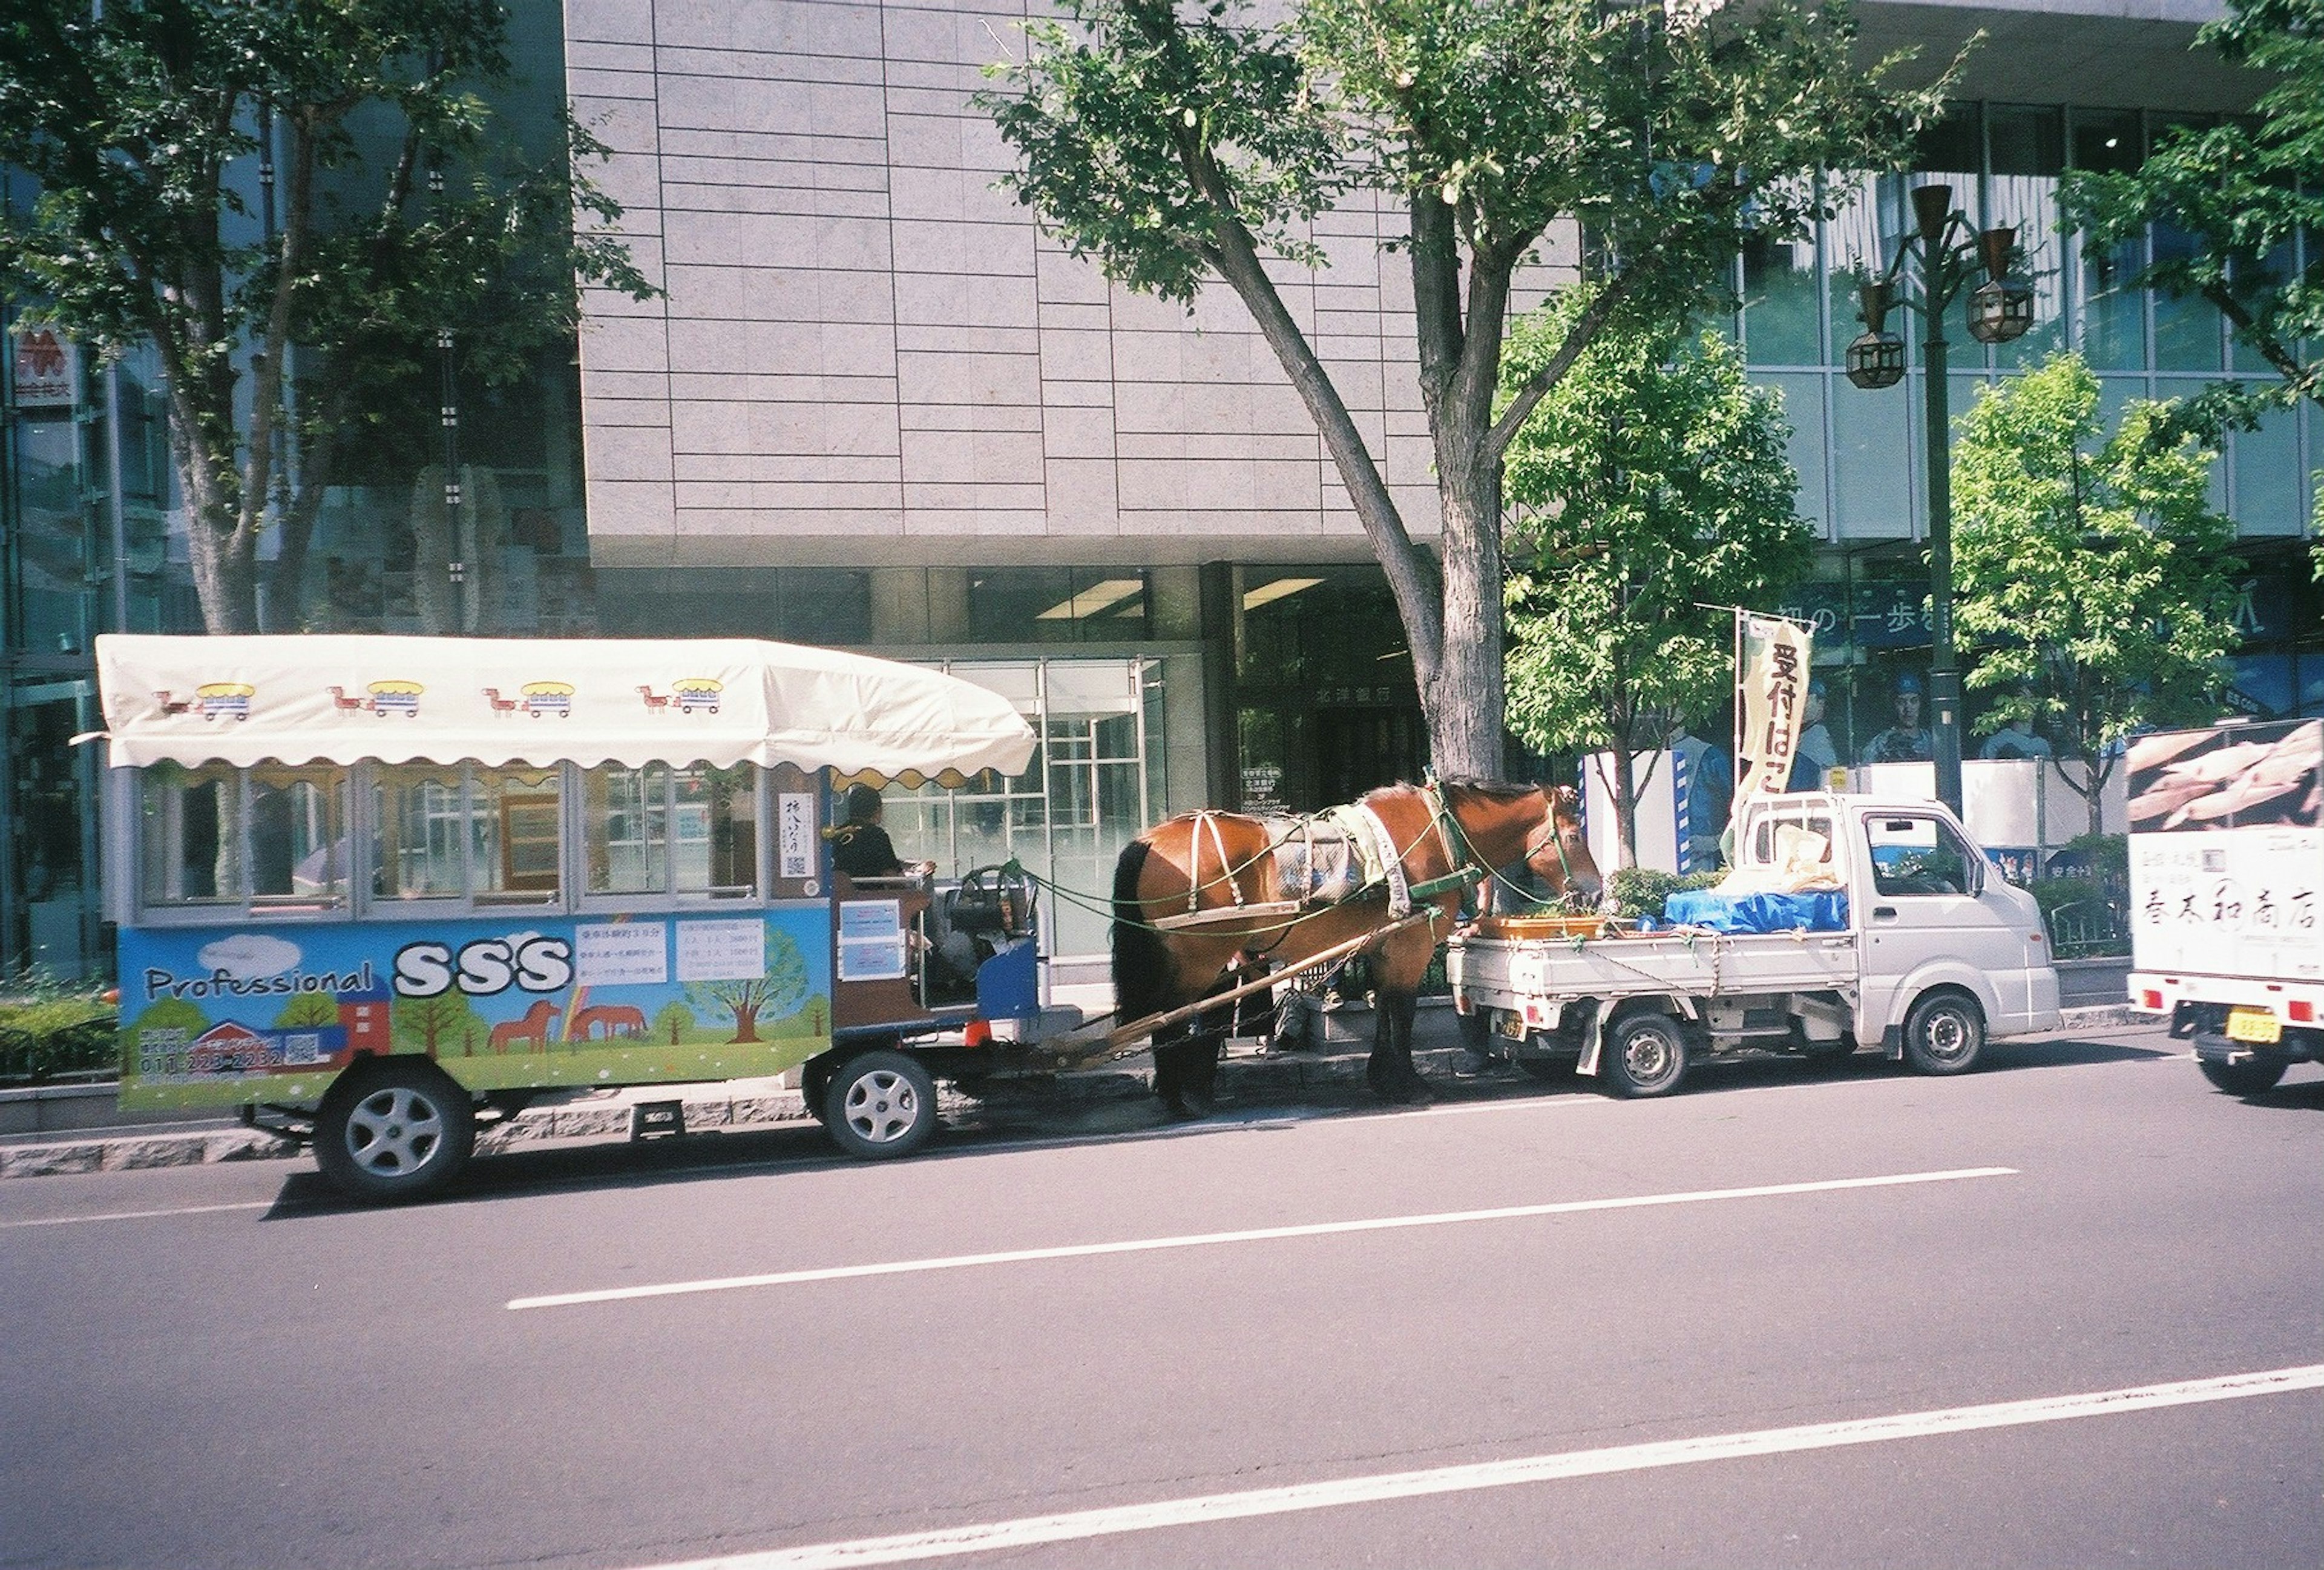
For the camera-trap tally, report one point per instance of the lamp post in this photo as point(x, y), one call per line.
point(1999, 309)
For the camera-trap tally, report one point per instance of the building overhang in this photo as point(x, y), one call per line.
point(2115, 54)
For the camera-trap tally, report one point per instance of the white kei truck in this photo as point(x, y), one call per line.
point(2227, 874)
point(1849, 921)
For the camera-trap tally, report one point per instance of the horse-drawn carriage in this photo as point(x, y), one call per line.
point(381, 939)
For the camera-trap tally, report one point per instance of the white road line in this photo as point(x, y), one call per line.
point(1261, 1235)
point(1074, 1526)
point(138, 1215)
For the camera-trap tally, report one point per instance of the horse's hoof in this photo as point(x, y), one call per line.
point(1185, 1109)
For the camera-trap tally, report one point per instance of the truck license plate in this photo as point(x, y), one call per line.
point(2254, 1025)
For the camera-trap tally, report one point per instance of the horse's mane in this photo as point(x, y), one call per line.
point(1500, 789)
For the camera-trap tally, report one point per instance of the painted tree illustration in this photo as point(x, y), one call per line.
point(172, 1015)
point(774, 995)
point(165, 1014)
point(674, 1018)
point(428, 1023)
point(307, 1011)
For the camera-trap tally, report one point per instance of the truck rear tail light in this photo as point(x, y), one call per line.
point(2150, 1000)
point(2301, 1011)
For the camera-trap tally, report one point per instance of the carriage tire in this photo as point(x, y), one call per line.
point(394, 1130)
point(815, 1088)
point(1644, 1055)
point(2253, 1078)
point(880, 1105)
point(1944, 1034)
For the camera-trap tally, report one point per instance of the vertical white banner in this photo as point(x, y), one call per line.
point(1771, 682)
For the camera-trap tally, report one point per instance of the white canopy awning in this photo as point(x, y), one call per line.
point(328, 698)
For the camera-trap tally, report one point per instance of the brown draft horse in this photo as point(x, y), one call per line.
point(1491, 827)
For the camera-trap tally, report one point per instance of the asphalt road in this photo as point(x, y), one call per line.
point(1787, 1318)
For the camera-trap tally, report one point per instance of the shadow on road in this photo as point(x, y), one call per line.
point(610, 1164)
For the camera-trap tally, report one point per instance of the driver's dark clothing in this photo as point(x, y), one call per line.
point(863, 850)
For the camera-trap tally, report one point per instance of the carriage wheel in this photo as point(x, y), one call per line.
point(881, 1103)
point(396, 1129)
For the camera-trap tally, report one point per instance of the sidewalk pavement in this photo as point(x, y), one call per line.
point(1336, 1060)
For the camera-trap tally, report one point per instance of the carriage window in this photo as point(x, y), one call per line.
point(659, 830)
point(516, 835)
point(715, 826)
point(627, 812)
point(419, 853)
point(191, 823)
point(298, 841)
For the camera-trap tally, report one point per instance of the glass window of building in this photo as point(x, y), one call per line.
point(2112, 326)
point(1782, 304)
point(2026, 154)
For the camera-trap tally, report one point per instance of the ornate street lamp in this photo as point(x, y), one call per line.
point(1876, 356)
point(2001, 309)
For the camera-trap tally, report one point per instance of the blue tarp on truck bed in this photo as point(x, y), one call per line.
point(1819, 912)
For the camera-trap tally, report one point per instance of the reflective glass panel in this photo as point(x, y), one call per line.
point(191, 825)
point(299, 841)
point(418, 854)
point(516, 836)
point(714, 831)
point(626, 814)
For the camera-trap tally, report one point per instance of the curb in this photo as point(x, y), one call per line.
point(744, 1104)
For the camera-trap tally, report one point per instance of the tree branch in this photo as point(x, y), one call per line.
point(1586, 327)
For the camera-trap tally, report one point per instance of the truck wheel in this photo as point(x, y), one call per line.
point(1944, 1034)
point(881, 1103)
point(1645, 1055)
point(394, 1130)
point(2253, 1078)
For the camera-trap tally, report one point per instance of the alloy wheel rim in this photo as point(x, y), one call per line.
point(394, 1132)
point(883, 1106)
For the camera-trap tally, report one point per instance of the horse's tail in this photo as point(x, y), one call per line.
point(1141, 963)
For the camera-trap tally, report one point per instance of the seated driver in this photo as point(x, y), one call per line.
point(860, 848)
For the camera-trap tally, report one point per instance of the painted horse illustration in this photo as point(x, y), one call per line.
point(1205, 890)
point(529, 1029)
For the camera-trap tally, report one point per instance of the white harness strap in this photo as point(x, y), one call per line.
point(1389, 857)
point(1210, 820)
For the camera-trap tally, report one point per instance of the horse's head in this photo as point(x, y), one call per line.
point(1557, 851)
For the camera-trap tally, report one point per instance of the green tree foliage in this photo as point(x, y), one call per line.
point(1651, 481)
point(2088, 566)
point(148, 127)
point(2241, 193)
point(1174, 145)
point(444, 1023)
point(776, 995)
point(172, 1015)
point(671, 1021)
point(308, 1010)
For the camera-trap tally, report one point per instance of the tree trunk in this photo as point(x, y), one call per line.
point(1463, 703)
point(746, 1023)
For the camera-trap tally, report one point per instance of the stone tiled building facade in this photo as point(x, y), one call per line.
point(866, 351)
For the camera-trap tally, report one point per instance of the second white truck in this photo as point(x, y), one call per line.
point(1883, 926)
point(2226, 879)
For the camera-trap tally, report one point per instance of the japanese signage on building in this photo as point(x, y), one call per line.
point(47, 369)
